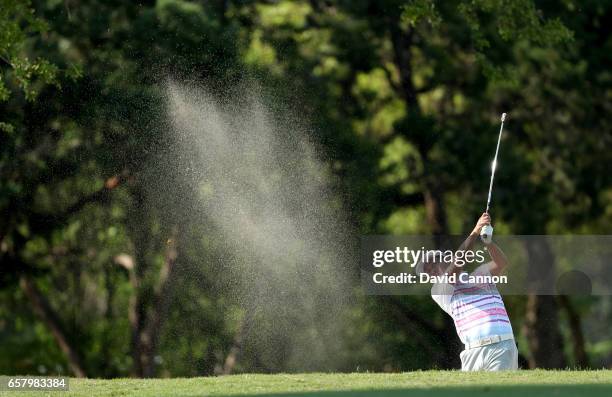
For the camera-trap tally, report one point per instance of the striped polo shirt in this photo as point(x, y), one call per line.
point(477, 309)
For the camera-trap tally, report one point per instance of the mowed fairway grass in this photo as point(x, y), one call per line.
point(422, 383)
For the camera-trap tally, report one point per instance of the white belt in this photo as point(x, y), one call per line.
point(489, 341)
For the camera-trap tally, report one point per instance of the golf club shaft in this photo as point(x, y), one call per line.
point(494, 164)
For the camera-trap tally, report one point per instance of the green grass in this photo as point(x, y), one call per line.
point(426, 383)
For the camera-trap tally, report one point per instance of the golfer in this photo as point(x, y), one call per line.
point(478, 310)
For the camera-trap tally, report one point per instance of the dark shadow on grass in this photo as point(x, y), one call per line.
point(595, 390)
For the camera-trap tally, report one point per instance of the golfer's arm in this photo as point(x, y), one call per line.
point(466, 245)
point(499, 260)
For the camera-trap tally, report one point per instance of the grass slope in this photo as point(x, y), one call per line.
point(425, 383)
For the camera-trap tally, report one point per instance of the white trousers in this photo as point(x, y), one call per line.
point(494, 357)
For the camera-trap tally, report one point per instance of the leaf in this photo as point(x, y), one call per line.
point(420, 10)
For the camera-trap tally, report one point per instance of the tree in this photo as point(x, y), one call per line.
point(73, 168)
point(107, 271)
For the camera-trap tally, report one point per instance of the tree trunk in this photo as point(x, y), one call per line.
point(136, 316)
point(438, 225)
point(542, 331)
point(141, 296)
point(581, 359)
point(148, 306)
point(402, 45)
point(541, 325)
point(235, 350)
point(49, 317)
point(433, 194)
point(161, 302)
point(435, 211)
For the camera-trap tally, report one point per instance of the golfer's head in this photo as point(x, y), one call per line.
point(431, 268)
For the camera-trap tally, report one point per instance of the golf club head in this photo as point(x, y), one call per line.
point(486, 234)
point(503, 117)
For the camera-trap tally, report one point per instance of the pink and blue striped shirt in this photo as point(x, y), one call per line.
point(477, 309)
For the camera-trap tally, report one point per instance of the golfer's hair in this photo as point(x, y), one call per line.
point(433, 256)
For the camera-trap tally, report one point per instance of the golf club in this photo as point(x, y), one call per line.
point(486, 233)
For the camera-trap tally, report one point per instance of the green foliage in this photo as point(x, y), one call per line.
point(420, 10)
point(17, 24)
point(514, 20)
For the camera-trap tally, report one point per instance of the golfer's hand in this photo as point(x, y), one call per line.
point(485, 219)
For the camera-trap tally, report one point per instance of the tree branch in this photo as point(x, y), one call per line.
point(237, 344)
point(45, 223)
point(161, 301)
point(45, 312)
